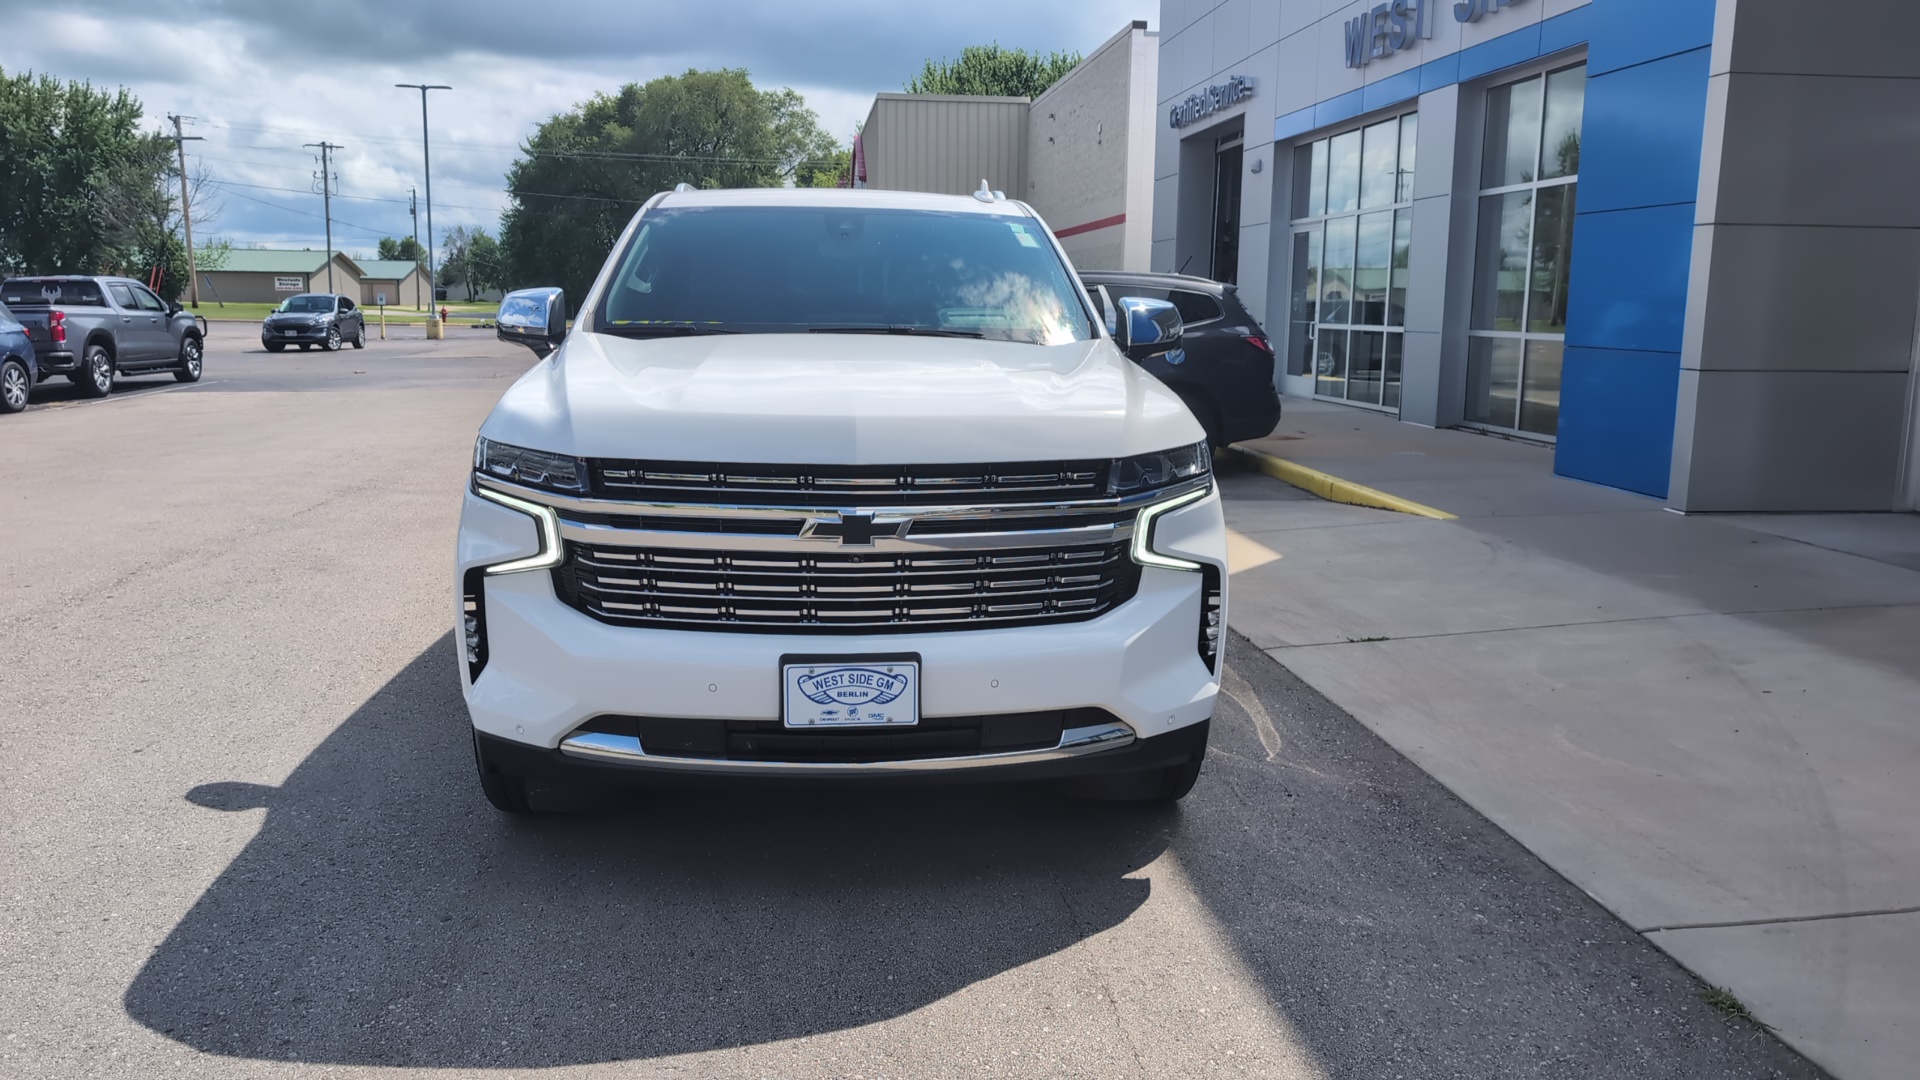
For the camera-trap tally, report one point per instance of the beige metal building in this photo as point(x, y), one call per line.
point(261, 276)
point(1081, 154)
point(402, 281)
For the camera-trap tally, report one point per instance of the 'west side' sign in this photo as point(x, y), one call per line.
point(1398, 24)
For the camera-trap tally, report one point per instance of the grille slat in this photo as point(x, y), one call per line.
point(832, 485)
point(832, 592)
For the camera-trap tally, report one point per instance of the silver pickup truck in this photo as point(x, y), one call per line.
point(93, 328)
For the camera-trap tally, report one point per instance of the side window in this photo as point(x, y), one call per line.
point(146, 300)
point(346, 304)
point(123, 296)
point(1196, 307)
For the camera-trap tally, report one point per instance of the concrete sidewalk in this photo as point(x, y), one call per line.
point(1712, 725)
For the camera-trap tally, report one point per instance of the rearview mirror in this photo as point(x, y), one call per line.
point(536, 318)
point(1149, 328)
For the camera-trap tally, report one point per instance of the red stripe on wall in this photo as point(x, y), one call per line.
point(1103, 223)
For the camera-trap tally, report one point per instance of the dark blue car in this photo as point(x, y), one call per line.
point(18, 368)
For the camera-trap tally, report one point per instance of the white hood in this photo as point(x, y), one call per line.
point(844, 399)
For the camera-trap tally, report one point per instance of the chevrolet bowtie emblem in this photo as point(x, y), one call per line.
point(854, 530)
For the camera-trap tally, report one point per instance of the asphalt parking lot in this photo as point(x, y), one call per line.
point(241, 838)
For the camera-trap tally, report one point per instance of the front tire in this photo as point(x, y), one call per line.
point(14, 386)
point(506, 792)
point(333, 339)
point(192, 353)
point(95, 377)
point(275, 346)
point(360, 337)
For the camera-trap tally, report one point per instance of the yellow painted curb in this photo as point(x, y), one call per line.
point(1334, 489)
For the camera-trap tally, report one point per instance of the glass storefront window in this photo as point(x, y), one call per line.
point(1343, 174)
point(1523, 259)
point(1352, 239)
point(1379, 164)
point(1306, 302)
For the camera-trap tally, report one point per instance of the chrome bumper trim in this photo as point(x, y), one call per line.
point(800, 515)
point(625, 750)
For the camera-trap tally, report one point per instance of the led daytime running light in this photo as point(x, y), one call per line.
point(1143, 552)
point(545, 520)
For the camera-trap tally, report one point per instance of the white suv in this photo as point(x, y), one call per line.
point(839, 484)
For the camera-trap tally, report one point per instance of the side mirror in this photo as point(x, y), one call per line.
point(173, 307)
point(1149, 328)
point(536, 318)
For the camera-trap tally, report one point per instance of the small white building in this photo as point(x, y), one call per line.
point(1081, 154)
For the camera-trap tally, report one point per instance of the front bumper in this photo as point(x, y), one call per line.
point(294, 335)
point(550, 669)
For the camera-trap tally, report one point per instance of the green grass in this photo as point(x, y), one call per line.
point(257, 312)
point(1723, 1001)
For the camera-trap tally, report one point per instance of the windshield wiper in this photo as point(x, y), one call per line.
point(914, 331)
point(660, 330)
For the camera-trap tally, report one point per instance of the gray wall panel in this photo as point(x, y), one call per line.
point(1835, 299)
point(1799, 441)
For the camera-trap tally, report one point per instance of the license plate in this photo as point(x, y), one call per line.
point(293, 333)
point(850, 691)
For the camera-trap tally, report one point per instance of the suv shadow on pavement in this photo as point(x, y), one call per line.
point(384, 915)
point(1335, 909)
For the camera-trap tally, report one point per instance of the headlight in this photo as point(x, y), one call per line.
point(1147, 472)
point(534, 468)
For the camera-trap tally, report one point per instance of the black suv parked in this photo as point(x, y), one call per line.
point(309, 319)
point(1225, 370)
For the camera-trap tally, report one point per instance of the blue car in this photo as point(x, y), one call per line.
point(18, 368)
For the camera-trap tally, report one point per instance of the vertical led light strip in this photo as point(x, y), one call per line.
point(1143, 552)
point(545, 520)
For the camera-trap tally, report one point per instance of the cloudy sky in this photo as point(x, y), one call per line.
point(263, 77)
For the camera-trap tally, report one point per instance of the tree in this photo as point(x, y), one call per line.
point(404, 249)
point(453, 255)
point(993, 71)
point(82, 188)
point(482, 264)
point(582, 175)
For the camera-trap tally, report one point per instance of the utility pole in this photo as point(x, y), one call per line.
point(413, 211)
point(426, 159)
point(326, 199)
point(180, 142)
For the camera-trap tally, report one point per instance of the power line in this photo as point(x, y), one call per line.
point(296, 210)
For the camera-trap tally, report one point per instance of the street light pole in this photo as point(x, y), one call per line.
point(426, 159)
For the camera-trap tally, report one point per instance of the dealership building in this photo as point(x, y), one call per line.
point(1674, 239)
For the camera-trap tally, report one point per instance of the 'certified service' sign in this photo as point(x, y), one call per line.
point(1206, 102)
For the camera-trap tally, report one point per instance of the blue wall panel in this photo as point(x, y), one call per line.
point(1628, 32)
point(1616, 418)
point(1504, 51)
point(1640, 141)
point(1647, 66)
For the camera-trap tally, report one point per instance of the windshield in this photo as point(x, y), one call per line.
point(307, 303)
point(783, 270)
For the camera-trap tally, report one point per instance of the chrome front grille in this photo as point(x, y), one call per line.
point(840, 591)
point(837, 485)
